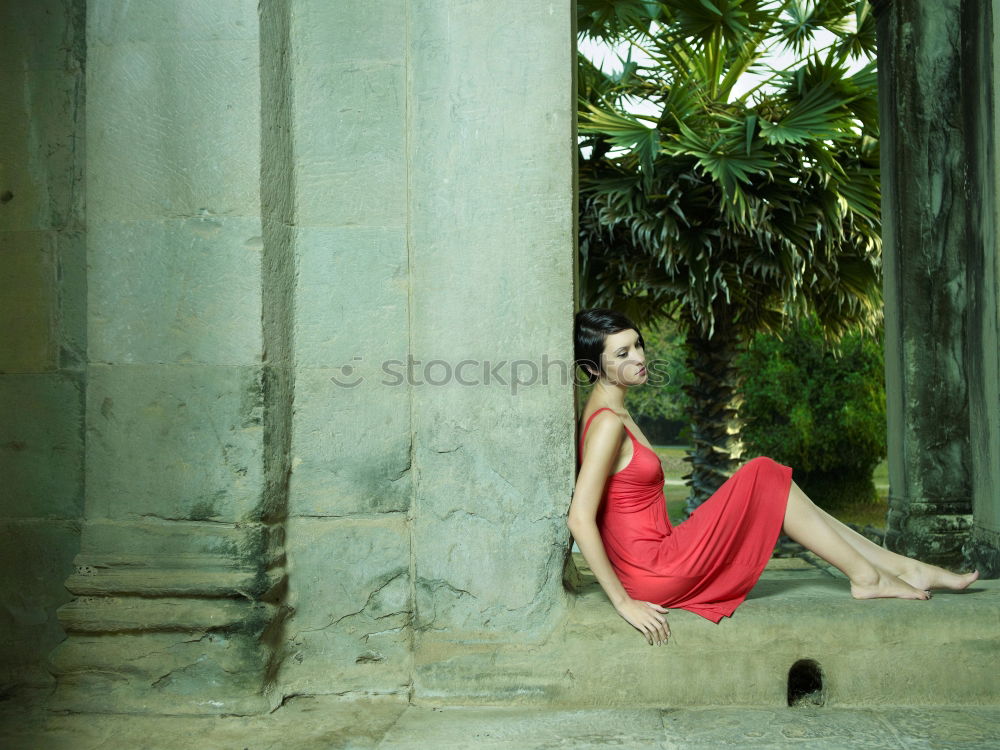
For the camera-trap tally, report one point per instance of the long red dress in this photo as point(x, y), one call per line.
point(708, 563)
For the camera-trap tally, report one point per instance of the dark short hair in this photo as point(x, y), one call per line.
point(590, 330)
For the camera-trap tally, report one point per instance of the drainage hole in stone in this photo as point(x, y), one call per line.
point(805, 684)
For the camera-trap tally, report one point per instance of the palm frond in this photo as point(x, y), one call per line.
point(623, 131)
point(613, 19)
point(814, 116)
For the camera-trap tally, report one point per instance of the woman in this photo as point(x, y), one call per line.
point(708, 563)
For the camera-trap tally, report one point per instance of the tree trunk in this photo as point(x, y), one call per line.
point(714, 409)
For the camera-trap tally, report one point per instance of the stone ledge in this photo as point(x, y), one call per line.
point(136, 614)
point(876, 652)
point(109, 580)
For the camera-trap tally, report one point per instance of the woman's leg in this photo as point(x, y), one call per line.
point(918, 574)
point(806, 525)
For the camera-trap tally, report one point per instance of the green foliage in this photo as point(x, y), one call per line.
point(818, 409)
point(611, 19)
point(758, 206)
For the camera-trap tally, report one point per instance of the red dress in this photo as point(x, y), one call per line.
point(708, 563)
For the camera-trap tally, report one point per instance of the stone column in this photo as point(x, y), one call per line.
point(491, 237)
point(433, 200)
point(43, 291)
point(351, 484)
point(983, 550)
point(928, 79)
point(180, 575)
point(414, 201)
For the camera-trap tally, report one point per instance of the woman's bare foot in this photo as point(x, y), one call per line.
point(924, 576)
point(884, 585)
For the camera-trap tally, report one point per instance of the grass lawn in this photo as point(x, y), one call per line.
point(860, 514)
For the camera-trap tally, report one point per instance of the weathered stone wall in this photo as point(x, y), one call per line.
point(433, 157)
point(351, 485)
point(492, 106)
point(179, 577)
point(42, 324)
point(288, 202)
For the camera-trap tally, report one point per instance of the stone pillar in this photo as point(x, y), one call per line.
point(351, 485)
point(928, 80)
point(983, 550)
point(433, 200)
point(491, 237)
point(289, 208)
point(43, 292)
point(179, 578)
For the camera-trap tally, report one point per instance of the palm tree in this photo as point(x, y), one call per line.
point(729, 212)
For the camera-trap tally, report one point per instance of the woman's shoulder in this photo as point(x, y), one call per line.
point(603, 419)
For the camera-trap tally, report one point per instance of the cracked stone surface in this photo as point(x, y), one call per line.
point(350, 620)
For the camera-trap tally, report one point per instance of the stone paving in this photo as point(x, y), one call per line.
point(389, 723)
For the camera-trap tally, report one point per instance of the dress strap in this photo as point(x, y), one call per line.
point(584, 432)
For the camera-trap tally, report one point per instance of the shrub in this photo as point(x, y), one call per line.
point(818, 409)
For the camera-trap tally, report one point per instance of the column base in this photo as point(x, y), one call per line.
point(160, 673)
point(927, 532)
point(162, 623)
point(982, 553)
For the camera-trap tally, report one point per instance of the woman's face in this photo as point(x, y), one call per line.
point(623, 358)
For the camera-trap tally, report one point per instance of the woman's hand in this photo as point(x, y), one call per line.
point(647, 618)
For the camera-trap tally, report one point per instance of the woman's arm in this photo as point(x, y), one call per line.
point(605, 437)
